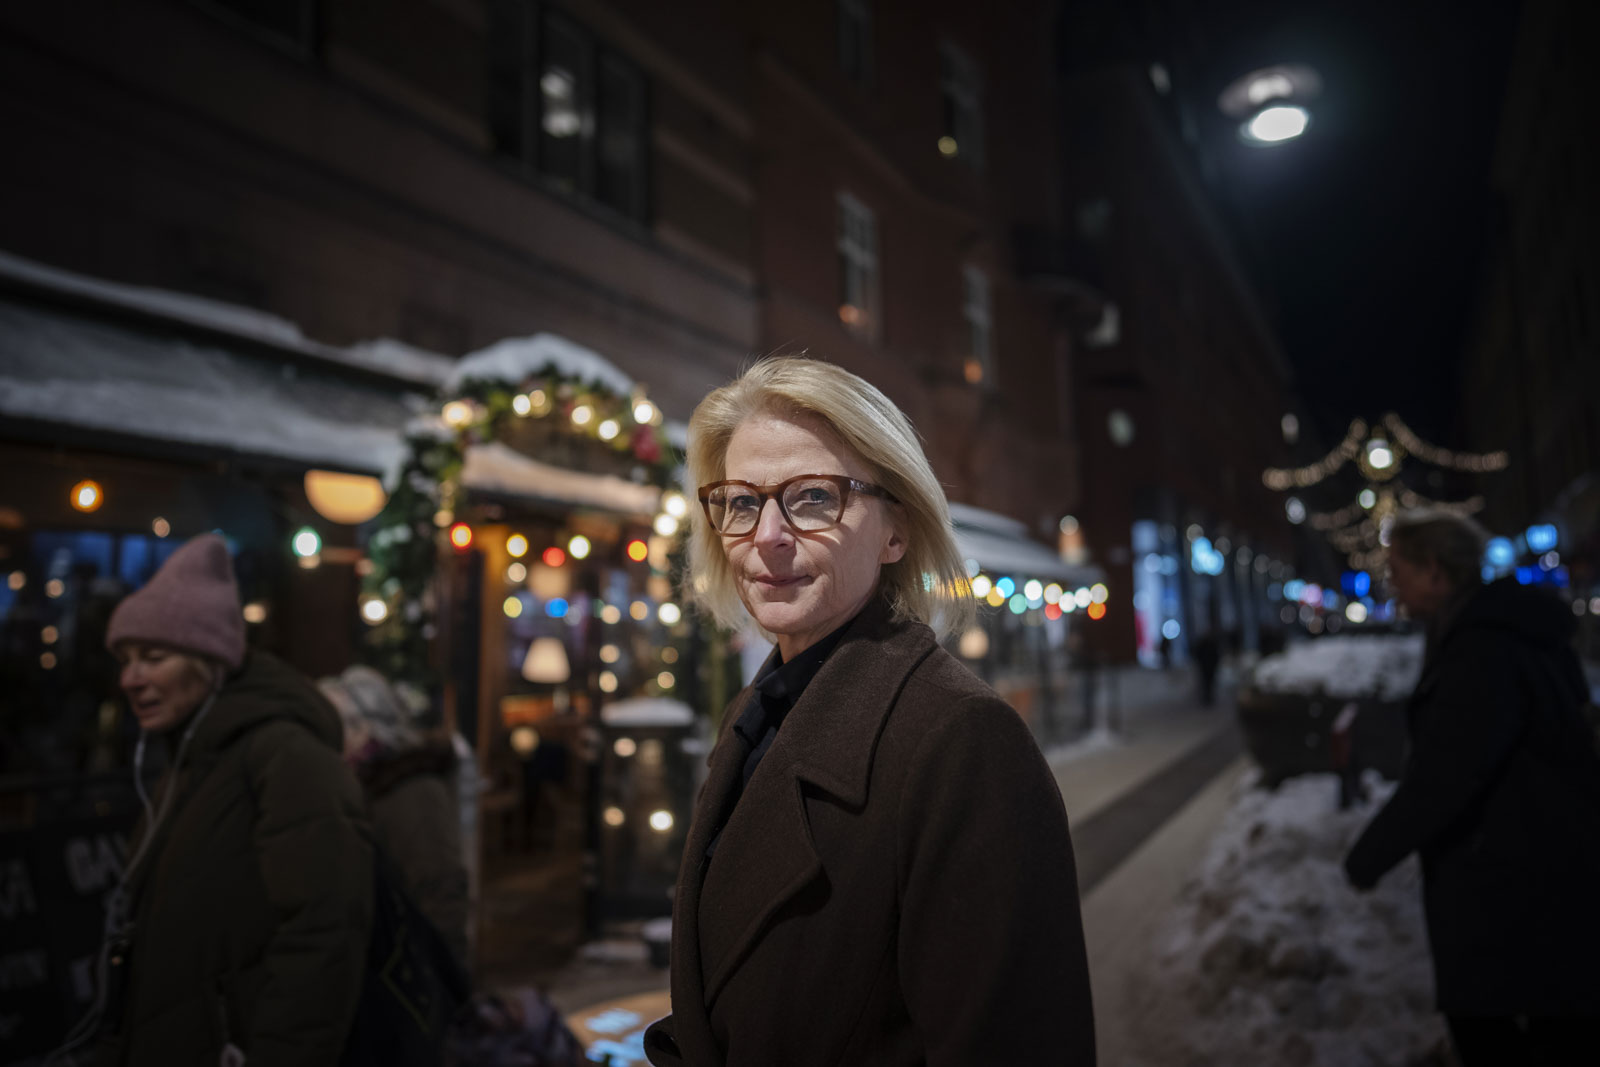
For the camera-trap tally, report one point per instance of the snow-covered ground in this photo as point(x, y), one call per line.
point(1270, 959)
point(1384, 666)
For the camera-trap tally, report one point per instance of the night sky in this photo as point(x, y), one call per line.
point(1367, 235)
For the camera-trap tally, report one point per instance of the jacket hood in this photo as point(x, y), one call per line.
point(266, 688)
point(1532, 614)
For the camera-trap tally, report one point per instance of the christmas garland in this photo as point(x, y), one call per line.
point(412, 531)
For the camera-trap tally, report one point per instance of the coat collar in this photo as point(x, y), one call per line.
point(766, 854)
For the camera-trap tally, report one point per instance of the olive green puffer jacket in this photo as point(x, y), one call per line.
point(253, 906)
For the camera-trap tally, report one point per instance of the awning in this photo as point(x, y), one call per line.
point(1001, 546)
point(124, 380)
point(495, 469)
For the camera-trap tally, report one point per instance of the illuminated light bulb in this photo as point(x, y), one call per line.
point(47, 660)
point(517, 546)
point(517, 573)
point(666, 525)
point(461, 536)
point(443, 517)
point(669, 613)
point(614, 816)
point(608, 682)
point(512, 607)
point(1099, 593)
point(611, 615)
point(661, 821)
point(1082, 598)
point(639, 611)
point(1052, 593)
point(160, 527)
point(1274, 125)
point(521, 404)
point(524, 739)
point(638, 550)
point(609, 429)
point(625, 747)
point(1355, 611)
point(644, 411)
point(1052, 611)
point(995, 598)
point(538, 402)
point(1367, 498)
point(553, 556)
point(582, 415)
point(948, 147)
point(1018, 604)
point(675, 505)
point(49, 635)
point(1033, 589)
point(1097, 611)
point(87, 495)
point(16, 580)
point(981, 586)
point(306, 543)
point(374, 610)
point(669, 655)
point(610, 653)
point(578, 547)
point(666, 680)
point(458, 413)
point(255, 612)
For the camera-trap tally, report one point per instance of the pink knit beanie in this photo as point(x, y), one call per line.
point(192, 604)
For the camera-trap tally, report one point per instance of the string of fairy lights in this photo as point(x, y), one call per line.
point(1358, 530)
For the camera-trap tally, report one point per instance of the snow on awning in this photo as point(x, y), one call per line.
point(1001, 546)
point(494, 468)
point(62, 369)
point(516, 358)
point(646, 711)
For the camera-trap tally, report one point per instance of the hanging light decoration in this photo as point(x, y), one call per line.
point(87, 496)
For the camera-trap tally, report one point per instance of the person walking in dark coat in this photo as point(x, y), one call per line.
point(1207, 653)
point(879, 870)
point(1501, 799)
point(239, 932)
point(408, 775)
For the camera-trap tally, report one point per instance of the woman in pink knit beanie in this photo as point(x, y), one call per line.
point(240, 928)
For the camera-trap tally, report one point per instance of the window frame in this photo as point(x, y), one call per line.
point(977, 311)
point(857, 245)
point(961, 102)
point(853, 25)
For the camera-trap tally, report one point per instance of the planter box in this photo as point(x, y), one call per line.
point(1290, 733)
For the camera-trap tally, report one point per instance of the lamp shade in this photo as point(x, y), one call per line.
point(349, 499)
point(546, 661)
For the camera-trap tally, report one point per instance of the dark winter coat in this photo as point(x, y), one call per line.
point(1501, 799)
point(416, 820)
point(895, 885)
point(253, 907)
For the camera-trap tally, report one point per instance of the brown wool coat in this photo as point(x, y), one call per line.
point(896, 886)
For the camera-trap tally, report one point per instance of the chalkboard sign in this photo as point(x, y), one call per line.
point(54, 880)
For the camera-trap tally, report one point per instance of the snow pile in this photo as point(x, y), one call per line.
point(1386, 667)
point(1270, 958)
point(515, 359)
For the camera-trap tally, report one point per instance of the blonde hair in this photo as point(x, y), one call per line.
point(929, 583)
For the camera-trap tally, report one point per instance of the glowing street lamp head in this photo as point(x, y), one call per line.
point(1276, 124)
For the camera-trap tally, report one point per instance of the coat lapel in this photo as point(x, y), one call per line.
point(766, 854)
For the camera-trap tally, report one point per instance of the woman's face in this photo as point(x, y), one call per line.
point(801, 586)
point(164, 686)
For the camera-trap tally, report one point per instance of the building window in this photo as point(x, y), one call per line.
point(855, 40)
point(977, 308)
point(288, 23)
point(963, 107)
point(858, 266)
point(576, 111)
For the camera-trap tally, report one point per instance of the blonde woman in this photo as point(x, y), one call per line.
point(879, 870)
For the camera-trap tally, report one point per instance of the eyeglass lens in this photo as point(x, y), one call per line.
point(810, 504)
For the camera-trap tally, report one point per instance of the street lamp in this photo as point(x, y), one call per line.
point(1270, 103)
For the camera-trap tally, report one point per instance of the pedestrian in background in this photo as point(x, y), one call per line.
point(879, 870)
point(408, 774)
point(239, 931)
point(1501, 799)
point(1207, 652)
